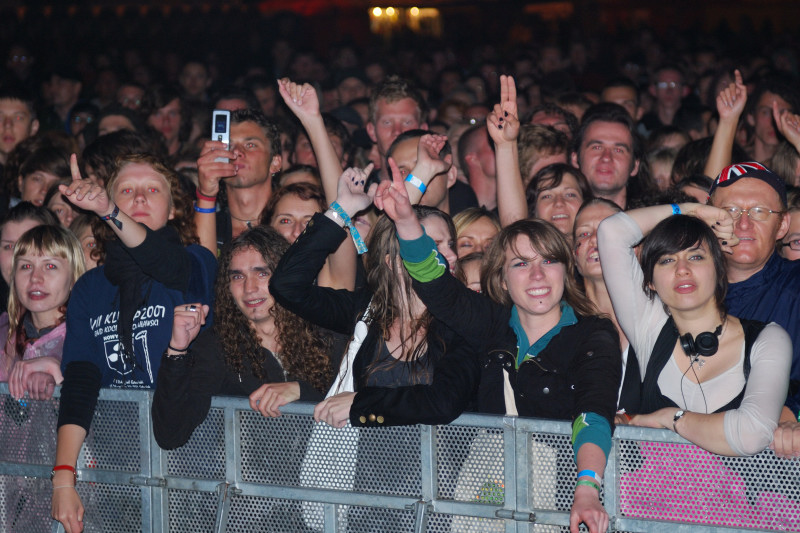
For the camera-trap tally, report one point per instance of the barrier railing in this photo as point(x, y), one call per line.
point(243, 472)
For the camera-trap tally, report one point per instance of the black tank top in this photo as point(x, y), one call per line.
point(652, 399)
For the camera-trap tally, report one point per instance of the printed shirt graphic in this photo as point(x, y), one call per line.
point(92, 328)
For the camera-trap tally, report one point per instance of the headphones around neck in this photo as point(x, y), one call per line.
point(706, 343)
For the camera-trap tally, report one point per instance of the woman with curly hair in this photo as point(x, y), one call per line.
point(256, 348)
point(119, 317)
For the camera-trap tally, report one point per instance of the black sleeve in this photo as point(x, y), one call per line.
point(471, 315)
point(79, 394)
point(183, 391)
point(166, 262)
point(455, 385)
point(292, 284)
point(598, 366)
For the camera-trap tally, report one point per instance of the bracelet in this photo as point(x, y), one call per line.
point(588, 483)
point(64, 467)
point(179, 357)
point(590, 473)
point(201, 196)
point(113, 217)
point(357, 240)
point(171, 347)
point(678, 415)
point(416, 182)
point(336, 217)
point(204, 209)
point(64, 487)
point(676, 209)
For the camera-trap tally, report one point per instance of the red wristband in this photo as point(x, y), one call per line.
point(201, 196)
point(64, 467)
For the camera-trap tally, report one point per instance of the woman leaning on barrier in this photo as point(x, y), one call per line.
point(536, 346)
point(255, 348)
point(47, 262)
point(717, 380)
point(119, 317)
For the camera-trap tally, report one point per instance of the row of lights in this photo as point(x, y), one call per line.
point(390, 11)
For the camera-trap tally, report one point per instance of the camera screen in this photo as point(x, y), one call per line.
point(219, 125)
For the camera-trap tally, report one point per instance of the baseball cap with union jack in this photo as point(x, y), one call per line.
point(751, 169)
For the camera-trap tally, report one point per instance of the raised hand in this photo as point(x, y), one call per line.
point(186, 323)
point(721, 222)
point(392, 197)
point(85, 193)
point(731, 100)
point(429, 163)
point(351, 195)
point(301, 99)
point(210, 171)
point(503, 122)
point(788, 124)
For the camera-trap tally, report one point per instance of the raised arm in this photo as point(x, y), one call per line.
point(84, 193)
point(209, 174)
point(303, 101)
point(180, 403)
point(503, 126)
point(788, 124)
point(730, 105)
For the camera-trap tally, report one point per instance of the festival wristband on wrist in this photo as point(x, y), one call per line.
point(113, 217)
point(336, 217)
point(590, 473)
point(207, 210)
point(201, 196)
point(416, 182)
point(588, 483)
point(64, 467)
point(357, 240)
point(676, 209)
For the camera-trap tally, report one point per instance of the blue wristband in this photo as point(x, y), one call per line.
point(590, 473)
point(676, 210)
point(416, 182)
point(357, 240)
point(205, 209)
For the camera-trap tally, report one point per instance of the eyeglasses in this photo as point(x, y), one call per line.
point(755, 213)
point(669, 84)
point(794, 245)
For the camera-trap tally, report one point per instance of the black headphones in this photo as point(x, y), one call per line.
point(706, 343)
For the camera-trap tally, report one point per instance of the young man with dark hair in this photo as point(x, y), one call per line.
point(607, 150)
point(758, 115)
point(17, 119)
point(253, 157)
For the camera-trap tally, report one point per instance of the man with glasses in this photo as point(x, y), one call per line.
point(668, 87)
point(762, 285)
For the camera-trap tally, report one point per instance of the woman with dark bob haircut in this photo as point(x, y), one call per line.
point(536, 347)
point(717, 380)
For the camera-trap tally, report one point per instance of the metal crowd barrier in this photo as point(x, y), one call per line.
point(241, 472)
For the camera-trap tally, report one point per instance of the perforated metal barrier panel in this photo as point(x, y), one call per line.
point(241, 472)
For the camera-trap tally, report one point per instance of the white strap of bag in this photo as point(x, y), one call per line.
point(344, 379)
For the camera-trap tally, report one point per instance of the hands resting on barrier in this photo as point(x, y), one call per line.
point(37, 377)
point(786, 440)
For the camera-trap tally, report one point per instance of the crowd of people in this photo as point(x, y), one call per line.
point(517, 236)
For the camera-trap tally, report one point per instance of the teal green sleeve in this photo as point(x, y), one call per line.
point(421, 258)
point(591, 427)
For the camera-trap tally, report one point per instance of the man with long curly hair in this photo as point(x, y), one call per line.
point(255, 348)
